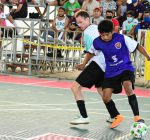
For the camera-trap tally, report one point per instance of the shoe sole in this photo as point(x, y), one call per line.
point(79, 123)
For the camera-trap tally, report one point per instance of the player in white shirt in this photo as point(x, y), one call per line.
point(93, 74)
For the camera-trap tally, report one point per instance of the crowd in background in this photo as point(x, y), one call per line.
point(128, 17)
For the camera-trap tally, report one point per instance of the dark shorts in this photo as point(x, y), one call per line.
point(22, 13)
point(116, 82)
point(91, 75)
point(18, 15)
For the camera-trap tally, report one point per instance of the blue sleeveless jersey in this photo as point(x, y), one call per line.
point(116, 53)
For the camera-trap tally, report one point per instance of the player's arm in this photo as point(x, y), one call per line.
point(90, 53)
point(87, 58)
point(142, 50)
point(133, 45)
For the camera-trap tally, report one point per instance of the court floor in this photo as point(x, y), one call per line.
point(41, 109)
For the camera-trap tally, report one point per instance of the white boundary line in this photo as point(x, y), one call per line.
point(147, 104)
point(30, 83)
point(40, 82)
point(46, 134)
point(62, 109)
point(17, 103)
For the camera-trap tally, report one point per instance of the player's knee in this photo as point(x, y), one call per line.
point(74, 87)
point(127, 84)
point(106, 99)
point(128, 87)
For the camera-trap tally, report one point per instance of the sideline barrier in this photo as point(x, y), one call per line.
point(142, 65)
point(7, 47)
point(30, 52)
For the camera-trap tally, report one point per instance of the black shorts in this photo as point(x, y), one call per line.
point(91, 75)
point(22, 13)
point(116, 82)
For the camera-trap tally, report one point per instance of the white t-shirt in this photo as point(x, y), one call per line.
point(60, 24)
point(97, 20)
point(90, 33)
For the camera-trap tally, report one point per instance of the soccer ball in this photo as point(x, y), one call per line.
point(138, 130)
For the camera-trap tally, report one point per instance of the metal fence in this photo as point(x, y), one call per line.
point(36, 50)
point(43, 49)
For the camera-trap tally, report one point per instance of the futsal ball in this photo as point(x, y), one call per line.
point(138, 130)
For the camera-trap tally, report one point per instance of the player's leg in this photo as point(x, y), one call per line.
point(128, 79)
point(85, 79)
point(111, 85)
point(99, 79)
point(91, 75)
point(76, 90)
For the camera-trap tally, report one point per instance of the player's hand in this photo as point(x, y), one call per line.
point(80, 66)
point(148, 58)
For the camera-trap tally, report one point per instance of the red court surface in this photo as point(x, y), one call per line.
point(56, 84)
point(57, 137)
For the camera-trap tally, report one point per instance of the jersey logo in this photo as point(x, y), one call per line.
point(118, 45)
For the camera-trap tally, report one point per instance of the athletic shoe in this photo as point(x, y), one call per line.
point(110, 120)
point(118, 119)
point(80, 120)
point(137, 118)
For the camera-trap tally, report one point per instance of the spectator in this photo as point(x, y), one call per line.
point(146, 4)
point(97, 16)
point(20, 12)
point(70, 6)
point(121, 11)
point(109, 16)
point(6, 1)
point(55, 2)
point(59, 24)
point(129, 24)
point(81, 2)
point(137, 8)
point(2, 16)
point(145, 23)
point(5, 31)
point(38, 3)
point(2, 24)
point(108, 5)
point(72, 29)
point(90, 5)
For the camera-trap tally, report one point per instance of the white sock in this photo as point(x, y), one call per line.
point(15, 24)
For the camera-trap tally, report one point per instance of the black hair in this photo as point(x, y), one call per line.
point(62, 8)
point(130, 13)
point(105, 26)
point(82, 13)
point(110, 11)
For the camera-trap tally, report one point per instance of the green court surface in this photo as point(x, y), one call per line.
point(28, 112)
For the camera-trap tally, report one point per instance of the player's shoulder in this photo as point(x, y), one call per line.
point(117, 36)
point(91, 27)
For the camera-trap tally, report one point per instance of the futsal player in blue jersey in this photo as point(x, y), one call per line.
point(119, 69)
